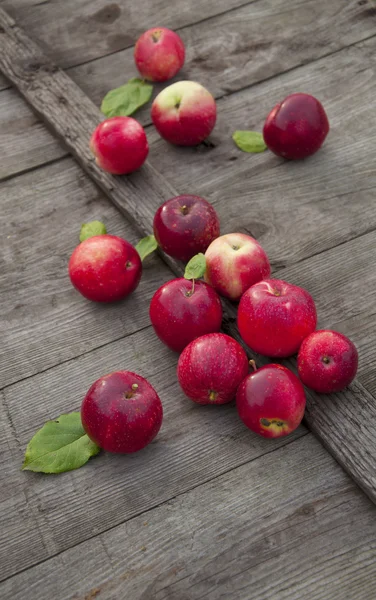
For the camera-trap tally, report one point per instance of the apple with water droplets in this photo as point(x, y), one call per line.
point(121, 412)
point(327, 361)
point(185, 225)
point(211, 367)
point(271, 401)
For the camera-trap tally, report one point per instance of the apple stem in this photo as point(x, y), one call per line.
point(193, 287)
point(212, 395)
point(253, 364)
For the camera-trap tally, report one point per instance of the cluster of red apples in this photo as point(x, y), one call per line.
point(122, 412)
point(185, 113)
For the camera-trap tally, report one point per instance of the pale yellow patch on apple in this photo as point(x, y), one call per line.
point(182, 95)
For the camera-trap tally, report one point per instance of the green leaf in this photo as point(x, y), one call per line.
point(146, 246)
point(88, 230)
point(61, 445)
point(196, 267)
point(126, 99)
point(249, 141)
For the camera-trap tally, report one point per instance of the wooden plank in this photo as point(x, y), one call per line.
point(25, 142)
point(263, 531)
point(184, 454)
point(20, 537)
point(245, 46)
point(45, 321)
point(76, 31)
point(56, 99)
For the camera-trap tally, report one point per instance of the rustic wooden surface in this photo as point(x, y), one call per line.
point(175, 522)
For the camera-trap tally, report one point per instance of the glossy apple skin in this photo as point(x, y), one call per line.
point(120, 145)
point(159, 54)
point(327, 361)
point(274, 317)
point(180, 315)
point(271, 401)
point(184, 113)
point(185, 225)
point(105, 268)
point(119, 418)
point(234, 262)
point(296, 127)
point(211, 367)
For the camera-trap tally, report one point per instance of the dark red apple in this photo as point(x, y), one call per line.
point(121, 412)
point(271, 401)
point(296, 127)
point(105, 268)
point(327, 361)
point(211, 367)
point(274, 317)
point(182, 310)
point(185, 225)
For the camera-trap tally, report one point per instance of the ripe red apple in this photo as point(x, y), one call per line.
point(182, 310)
point(120, 145)
point(327, 361)
point(211, 367)
point(159, 54)
point(296, 127)
point(234, 262)
point(184, 113)
point(121, 412)
point(271, 401)
point(274, 317)
point(185, 225)
point(105, 268)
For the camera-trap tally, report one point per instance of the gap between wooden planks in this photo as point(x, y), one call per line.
point(343, 422)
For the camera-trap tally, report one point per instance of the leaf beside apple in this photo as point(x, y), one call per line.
point(196, 267)
point(126, 99)
point(60, 445)
point(249, 141)
point(91, 229)
point(146, 246)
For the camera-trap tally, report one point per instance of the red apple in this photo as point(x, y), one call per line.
point(185, 225)
point(122, 412)
point(327, 361)
point(184, 113)
point(159, 54)
point(120, 145)
point(296, 127)
point(105, 268)
point(211, 367)
point(234, 262)
point(274, 317)
point(182, 310)
point(271, 401)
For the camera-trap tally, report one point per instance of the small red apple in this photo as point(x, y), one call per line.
point(121, 412)
point(182, 310)
point(271, 401)
point(327, 361)
point(234, 262)
point(120, 145)
point(296, 127)
point(274, 317)
point(105, 268)
point(184, 113)
point(211, 367)
point(159, 54)
point(185, 225)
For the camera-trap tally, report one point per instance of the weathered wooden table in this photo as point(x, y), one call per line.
point(208, 510)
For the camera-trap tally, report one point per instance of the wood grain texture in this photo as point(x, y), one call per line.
point(265, 530)
point(138, 195)
point(194, 445)
point(45, 320)
point(76, 31)
point(245, 46)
